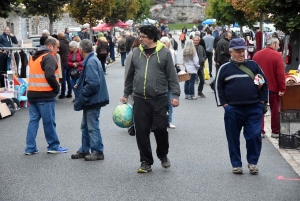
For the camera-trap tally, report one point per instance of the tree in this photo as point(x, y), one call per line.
point(224, 13)
point(7, 6)
point(143, 10)
point(53, 9)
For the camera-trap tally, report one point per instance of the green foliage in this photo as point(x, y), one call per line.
point(7, 6)
point(224, 13)
point(143, 10)
point(48, 8)
point(286, 15)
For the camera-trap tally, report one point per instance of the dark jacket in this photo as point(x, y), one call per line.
point(150, 78)
point(91, 91)
point(201, 54)
point(49, 65)
point(4, 42)
point(119, 42)
point(102, 47)
point(63, 50)
point(234, 87)
point(222, 51)
point(129, 41)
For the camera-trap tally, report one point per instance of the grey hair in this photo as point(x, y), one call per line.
point(86, 46)
point(272, 40)
point(45, 32)
point(165, 39)
point(197, 33)
point(74, 44)
point(189, 51)
point(197, 37)
point(227, 33)
point(50, 40)
point(231, 49)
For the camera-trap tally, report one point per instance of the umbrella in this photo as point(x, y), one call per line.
point(209, 21)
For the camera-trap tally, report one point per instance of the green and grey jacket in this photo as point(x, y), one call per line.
point(152, 77)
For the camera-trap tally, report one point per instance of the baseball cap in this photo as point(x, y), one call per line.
point(237, 43)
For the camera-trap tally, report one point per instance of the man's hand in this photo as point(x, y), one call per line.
point(123, 100)
point(175, 102)
point(12, 35)
point(225, 105)
point(280, 93)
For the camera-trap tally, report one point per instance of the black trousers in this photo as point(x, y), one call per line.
point(102, 58)
point(200, 73)
point(209, 56)
point(151, 115)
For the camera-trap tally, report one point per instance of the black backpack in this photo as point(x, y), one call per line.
point(175, 45)
point(122, 45)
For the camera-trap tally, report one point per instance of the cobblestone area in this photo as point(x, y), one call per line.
point(292, 156)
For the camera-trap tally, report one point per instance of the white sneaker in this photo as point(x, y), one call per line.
point(171, 126)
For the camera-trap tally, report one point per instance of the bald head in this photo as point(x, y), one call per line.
point(60, 35)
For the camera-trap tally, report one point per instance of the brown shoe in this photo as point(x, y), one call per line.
point(79, 155)
point(201, 95)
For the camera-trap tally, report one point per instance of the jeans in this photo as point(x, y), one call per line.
point(189, 88)
point(74, 82)
point(46, 111)
point(102, 59)
point(123, 57)
point(66, 79)
point(170, 106)
point(91, 135)
point(209, 56)
point(112, 52)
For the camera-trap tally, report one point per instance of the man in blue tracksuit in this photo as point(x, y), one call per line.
point(243, 102)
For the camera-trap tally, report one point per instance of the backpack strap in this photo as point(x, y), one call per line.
point(246, 70)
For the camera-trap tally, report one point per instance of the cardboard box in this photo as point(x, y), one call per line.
point(4, 110)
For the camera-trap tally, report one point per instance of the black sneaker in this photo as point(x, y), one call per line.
point(165, 162)
point(131, 131)
point(145, 167)
point(69, 96)
point(94, 156)
point(79, 155)
point(61, 96)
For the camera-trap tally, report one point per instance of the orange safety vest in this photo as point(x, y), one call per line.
point(37, 80)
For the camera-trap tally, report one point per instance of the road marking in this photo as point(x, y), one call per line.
point(289, 179)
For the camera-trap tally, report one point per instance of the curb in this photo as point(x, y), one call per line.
point(292, 156)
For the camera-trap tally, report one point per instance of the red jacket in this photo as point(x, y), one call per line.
point(78, 59)
point(272, 65)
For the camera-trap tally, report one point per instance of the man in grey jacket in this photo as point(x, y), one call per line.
point(150, 75)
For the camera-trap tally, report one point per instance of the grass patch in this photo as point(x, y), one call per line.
point(180, 26)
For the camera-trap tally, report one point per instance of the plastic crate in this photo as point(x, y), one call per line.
point(289, 136)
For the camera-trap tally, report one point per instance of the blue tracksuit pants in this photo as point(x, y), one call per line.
point(249, 117)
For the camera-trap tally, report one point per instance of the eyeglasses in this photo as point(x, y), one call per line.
point(143, 37)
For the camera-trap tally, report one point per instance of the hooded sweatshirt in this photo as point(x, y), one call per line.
point(151, 77)
point(49, 66)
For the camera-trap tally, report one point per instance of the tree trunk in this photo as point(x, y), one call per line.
point(51, 25)
point(241, 31)
point(36, 25)
point(228, 27)
point(261, 27)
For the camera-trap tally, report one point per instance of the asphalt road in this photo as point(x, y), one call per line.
point(200, 166)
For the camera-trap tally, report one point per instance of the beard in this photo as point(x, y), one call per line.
point(144, 46)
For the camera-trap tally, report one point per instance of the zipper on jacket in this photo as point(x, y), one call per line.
point(146, 70)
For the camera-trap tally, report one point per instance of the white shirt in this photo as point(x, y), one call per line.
point(192, 66)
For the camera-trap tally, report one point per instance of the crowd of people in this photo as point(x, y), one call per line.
point(151, 85)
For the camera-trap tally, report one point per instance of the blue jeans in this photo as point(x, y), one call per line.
point(46, 111)
point(123, 57)
point(74, 82)
point(170, 106)
point(91, 135)
point(189, 88)
point(66, 79)
point(112, 52)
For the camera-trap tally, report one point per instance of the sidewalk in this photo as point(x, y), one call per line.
point(292, 156)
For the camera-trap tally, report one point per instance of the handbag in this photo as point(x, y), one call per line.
point(206, 73)
point(251, 75)
point(185, 76)
point(75, 73)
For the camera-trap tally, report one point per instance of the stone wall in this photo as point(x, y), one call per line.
point(25, 27)
point(178, 13)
